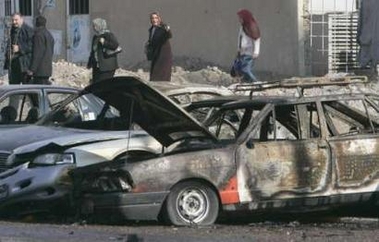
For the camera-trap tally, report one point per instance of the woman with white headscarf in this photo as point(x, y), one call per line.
point(103, 66)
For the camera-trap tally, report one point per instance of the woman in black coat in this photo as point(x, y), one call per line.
point(103, 66)
point(158, 49)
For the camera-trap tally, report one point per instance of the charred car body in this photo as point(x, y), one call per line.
point(83, 130)
point(286, 154)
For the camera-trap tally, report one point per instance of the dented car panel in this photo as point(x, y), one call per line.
point(153, 179)
point(289, 154)
point(41, 189)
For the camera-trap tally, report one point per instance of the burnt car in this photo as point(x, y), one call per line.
point(284, 155)
point(83, 130)
point(21, 105)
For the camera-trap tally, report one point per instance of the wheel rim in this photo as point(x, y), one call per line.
point(192, 205)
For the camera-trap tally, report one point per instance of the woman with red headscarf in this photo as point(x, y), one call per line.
point(248, 44)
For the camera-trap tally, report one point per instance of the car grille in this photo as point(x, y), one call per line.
point(3, 160)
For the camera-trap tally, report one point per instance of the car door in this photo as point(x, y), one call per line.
point(355, 147)
point(283, 155)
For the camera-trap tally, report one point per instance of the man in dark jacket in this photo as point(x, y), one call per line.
point(41, 66)
point(19, 50)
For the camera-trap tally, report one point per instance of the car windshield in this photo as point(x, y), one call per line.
point(86, 112)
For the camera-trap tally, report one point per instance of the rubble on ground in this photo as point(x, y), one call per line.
point(70, 74)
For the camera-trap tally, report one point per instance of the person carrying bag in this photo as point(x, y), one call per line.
point(104, 51)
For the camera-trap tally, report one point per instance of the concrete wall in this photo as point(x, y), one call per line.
point(57, 21)
point(207, 29)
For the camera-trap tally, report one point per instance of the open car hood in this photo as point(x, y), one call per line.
point(149, 108)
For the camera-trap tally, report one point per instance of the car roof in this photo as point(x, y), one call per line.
point(238, 101)
point(298, 83)
point(154, 112)
point(172, 89)
point(8, 88)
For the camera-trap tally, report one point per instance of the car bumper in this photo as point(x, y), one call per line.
point(130, 206)
point(37, 184)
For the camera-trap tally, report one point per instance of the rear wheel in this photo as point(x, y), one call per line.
point(192, 203)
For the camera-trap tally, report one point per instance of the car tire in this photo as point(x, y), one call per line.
point(190, 203)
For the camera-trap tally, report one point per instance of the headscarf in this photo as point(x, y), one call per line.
point(249, 24)
point(100, 26)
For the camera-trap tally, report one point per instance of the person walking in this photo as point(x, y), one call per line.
point(248, 44)
point(103, 65)
point(158, 49)
point(41, 66)
point(19, 50)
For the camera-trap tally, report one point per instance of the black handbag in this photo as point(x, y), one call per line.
point(235, 70)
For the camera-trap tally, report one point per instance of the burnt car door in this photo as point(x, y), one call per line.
point(354, 140)
point(283, 155)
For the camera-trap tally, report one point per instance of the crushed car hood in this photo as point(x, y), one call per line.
point(158, 115)
point(35, 136)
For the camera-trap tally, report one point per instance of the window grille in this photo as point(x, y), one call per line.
point(79, 7)
point(25, 7)
point(343, 47)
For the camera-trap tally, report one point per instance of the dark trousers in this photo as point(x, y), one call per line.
point(98, 75)
point(15, 75)
point(40, 80)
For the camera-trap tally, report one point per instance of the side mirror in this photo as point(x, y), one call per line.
point(250, 144)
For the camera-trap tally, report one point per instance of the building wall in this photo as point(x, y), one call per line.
point(207, 29)
point(57, 23)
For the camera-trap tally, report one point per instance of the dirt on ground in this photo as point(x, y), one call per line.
point(186, 70)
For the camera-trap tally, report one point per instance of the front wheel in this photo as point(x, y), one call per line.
point(192, 203)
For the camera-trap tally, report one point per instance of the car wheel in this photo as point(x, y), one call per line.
point(192, 203)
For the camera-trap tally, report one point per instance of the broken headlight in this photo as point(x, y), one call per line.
point(109, 182)
point(54, 159)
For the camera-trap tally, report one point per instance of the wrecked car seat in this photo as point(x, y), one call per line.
point(8, 115)
point(33, 115)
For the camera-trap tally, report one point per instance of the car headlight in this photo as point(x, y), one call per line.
point(54, 159)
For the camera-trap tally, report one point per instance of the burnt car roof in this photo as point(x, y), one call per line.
point(172, 89)
point(300, 83)
point(276, 99)
point(149, 108)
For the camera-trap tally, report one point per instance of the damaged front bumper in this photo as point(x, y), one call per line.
point(39, 185)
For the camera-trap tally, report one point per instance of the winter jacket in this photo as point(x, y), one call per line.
point(43, 51)
point(98, 58)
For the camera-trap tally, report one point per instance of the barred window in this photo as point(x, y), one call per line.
point(79, 7)
point(8, 7)
point(25, 7)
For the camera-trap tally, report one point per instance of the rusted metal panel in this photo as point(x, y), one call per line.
point(282, 169)
point(216, 167)
point(357, 161)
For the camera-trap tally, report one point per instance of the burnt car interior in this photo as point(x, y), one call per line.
point(298, 121)
point(343, 119)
